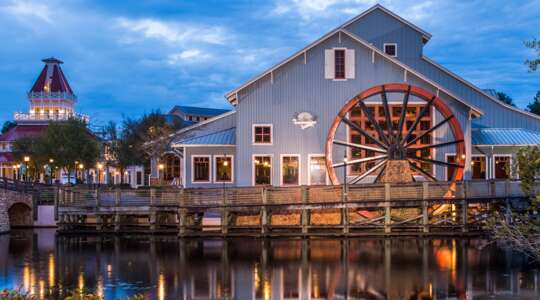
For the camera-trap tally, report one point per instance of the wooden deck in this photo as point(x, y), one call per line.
point(358, 210)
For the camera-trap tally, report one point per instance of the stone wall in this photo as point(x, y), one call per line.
point(7, 200)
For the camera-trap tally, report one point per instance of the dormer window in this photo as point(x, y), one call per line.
point(390, 49)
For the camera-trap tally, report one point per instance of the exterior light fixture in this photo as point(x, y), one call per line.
point(99, 166)
point(51, 160)
point(161, 166)
point(26, 158)
point(81, 166)
point(462, 156)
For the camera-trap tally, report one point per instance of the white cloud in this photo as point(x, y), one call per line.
point(28, 11)
point(188, 56)
point(174, 32)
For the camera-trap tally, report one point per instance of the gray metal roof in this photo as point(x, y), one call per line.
point(224, 137)
point(505, 136)
point(199, 111)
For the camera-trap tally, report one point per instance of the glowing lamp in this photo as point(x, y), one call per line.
point(81, 166)
point(225, 163)
point(161, 166)
point(26, 158)
point(99, 166)
point(51, 160)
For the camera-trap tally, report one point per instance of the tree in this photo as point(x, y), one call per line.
point(69, 142)
point(33, 148)
point(505, 98)
point(534, 106)
point(535, 62)
point(7, 126)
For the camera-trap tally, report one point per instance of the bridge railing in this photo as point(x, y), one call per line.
point(282, 196)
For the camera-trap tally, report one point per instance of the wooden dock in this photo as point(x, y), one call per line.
point(416, 209)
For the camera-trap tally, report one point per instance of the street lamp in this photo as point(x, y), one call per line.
point(99, 168)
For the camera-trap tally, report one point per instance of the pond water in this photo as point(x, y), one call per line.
point(163, 267)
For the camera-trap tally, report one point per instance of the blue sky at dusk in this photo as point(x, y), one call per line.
point(124, 58)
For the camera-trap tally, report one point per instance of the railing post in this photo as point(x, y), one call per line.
point(305, 210)
point(264, 212)
point(152, 196)
point(56, 200)
point(224, 214)
point(464, 214)
point(387, 209)
point(425, 205)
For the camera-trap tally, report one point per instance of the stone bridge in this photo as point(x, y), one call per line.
point(15, 209)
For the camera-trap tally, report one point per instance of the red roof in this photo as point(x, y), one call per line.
point(6, 158)
point(20, 131)
point(53, 76)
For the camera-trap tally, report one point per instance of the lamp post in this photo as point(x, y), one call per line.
point(26, 161)
point(81, 167)
point(160, 170)
point(99, 167)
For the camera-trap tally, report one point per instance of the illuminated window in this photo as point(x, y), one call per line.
point(317, 170)
point(290, 170)
point(478, 167)
point(201, 168)
point(223, 168)
point(262, 170)
point(501, 166)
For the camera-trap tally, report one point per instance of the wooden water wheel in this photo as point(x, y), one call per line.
point(391, 141)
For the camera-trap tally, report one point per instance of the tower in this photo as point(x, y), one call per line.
point(51, 97)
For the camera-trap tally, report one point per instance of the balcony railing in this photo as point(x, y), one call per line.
point(51, 95)
point(18, 116)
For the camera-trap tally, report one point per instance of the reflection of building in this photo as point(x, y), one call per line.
point(445, 122)
point(51, 99)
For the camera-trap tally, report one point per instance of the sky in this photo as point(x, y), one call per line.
point(127, 58)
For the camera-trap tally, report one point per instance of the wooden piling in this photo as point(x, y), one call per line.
point(224, 214)
point(387, 209)
point(264, 213)
point(425, 206)
point(305, 211)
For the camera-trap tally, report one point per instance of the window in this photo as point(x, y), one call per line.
point(223, 168)
point(478, 167)
point(339, 64)
point(139, 178)
point(290, 170)
point(391, 49)
point(262, 134)
point(200, 168)
point(262, 170)
point(190, 118)
point(317, 170)
point(501, 166)
point(198, 119)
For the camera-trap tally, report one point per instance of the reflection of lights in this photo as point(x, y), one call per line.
point(256, 277)
point(81, 283)
point(99, 287)
point(51, 270)
point(315, 285)
point(161, 286)
point(430, 290)
point(26, 277)
point(41, 289)
point(267, 290)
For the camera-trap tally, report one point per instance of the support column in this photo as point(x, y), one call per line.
point(182, 222)
point(264, 213)
point(425, 206)
point(345, 212)
point(305, 211)
point(224, 214)
point(387, 209)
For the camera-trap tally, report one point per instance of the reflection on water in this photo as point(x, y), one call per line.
point(166, 268)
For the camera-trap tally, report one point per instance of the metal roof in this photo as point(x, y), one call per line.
point(505, 137)
point(223, 137)
point(199, 111)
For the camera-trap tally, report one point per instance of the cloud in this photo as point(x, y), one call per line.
point(28, 11)
point(174, 32)
point(188, 56)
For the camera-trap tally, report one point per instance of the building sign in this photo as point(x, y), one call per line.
point(304, 120)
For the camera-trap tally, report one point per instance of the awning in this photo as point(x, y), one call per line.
point(505, 137)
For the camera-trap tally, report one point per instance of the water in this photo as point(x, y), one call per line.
point(163, 268)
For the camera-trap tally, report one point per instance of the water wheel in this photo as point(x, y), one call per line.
point(392, 147)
